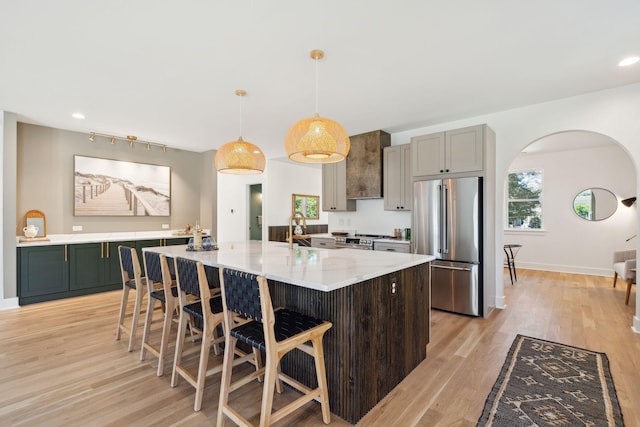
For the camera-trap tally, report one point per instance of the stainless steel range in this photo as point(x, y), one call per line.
point(359, 241)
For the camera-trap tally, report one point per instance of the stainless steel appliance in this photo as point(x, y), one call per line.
point(447, 223)
point(359, 241)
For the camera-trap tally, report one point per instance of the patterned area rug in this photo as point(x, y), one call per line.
point(543, 383)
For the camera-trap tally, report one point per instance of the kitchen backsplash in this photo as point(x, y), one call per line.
point(369, 218)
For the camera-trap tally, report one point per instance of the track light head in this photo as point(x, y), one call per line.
point(92, 137)
point(113, 140)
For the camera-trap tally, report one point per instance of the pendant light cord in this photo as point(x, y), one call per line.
point(316, 60)
point(241, 115)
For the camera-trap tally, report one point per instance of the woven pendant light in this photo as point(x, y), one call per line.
point(317, 139)
point(240, 157)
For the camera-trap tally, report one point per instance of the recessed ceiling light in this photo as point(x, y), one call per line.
point(78, 116)
point(628, 61)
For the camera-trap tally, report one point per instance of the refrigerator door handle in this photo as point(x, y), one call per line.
point(440, 245)
point(445, 220)
point(446, 267)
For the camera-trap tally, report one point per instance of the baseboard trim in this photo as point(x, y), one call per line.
point(501, 302)
point(636, 325)
point(559, 268)
point(9, 303)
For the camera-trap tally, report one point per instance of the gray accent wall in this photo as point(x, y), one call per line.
point(45, 158)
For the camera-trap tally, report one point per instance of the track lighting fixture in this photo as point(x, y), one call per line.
point(131, 139)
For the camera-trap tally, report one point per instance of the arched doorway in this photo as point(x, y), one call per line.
point(571, 162)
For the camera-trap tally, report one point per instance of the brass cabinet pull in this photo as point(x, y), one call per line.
point(108, 254)
point(65, 253)
point(101, 250)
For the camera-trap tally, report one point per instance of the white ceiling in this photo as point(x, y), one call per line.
point(167, 71)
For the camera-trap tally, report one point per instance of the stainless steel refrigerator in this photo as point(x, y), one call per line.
point(447, 223)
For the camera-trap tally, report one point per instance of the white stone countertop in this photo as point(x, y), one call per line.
point(64, 239)
point(315, 268)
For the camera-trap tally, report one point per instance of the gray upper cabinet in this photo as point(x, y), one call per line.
point(364, 165)
point(455, 151)
point(398, 189)
point(334, 188)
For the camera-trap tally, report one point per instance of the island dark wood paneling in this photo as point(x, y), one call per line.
point(378, 336)
point(278, 233)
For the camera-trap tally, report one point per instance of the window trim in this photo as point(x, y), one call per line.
point(507, 200)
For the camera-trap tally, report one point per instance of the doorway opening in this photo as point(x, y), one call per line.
point(575, 167)
point(255, 212)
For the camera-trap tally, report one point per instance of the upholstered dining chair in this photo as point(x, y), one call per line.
point(161, 288)
point(623, 262)
point(274, 332)
point(131, 280)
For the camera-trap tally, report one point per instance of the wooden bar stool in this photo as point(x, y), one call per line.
point(161, 288)
point(131, 280)
point(276, 334)
point(199, 301)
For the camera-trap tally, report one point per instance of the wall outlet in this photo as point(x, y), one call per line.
point(76, 228)
point(165, 226)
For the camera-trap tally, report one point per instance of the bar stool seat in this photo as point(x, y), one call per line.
point(288, 324)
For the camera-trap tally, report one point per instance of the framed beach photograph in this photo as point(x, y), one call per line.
point(104, 187)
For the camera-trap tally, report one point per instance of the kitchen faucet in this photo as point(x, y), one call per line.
point(295, 216)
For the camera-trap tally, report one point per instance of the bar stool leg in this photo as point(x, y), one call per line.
point(148, 319)
point(123, 310)
point(182, 331)
point(270, 376)
point(136, 318)
point(225, 382)
point(321, 374)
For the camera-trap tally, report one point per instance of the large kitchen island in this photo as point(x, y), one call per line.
point(378, 303)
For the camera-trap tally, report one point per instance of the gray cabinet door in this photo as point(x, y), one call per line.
point(334, 188)
point(398, 188)
point(464, 150)
point(455, 151)
point(427, 153)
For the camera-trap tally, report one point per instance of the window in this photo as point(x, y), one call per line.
point(524, 200)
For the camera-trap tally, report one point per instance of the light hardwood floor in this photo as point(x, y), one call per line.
point(60, 364)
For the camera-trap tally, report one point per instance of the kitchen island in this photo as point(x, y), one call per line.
point(378, 303)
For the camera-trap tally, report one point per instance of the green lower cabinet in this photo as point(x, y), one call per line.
point(87, 268)
point(61, 271)
point(96, 265)
point(42, 270)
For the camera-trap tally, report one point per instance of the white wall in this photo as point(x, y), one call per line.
point(286, 178)
point(233, 205)
point(568, 242)
point(279, 181)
